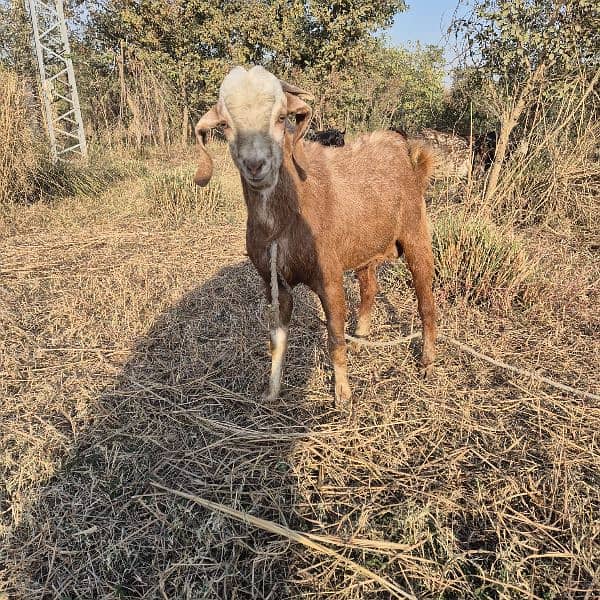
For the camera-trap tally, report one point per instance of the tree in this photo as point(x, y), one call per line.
point(16, 51)
point(520, 46)
point(390, 86)
point(195, 42)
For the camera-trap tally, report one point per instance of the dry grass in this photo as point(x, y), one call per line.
point(176, 199)
point(18, 153)
point(558, 178)
point(27, 174)
point(133, 353)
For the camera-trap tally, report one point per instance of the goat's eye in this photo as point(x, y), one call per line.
point(282, 118)
point(223, 125)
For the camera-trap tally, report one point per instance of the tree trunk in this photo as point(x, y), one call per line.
point(508, 122)
point(506, 127)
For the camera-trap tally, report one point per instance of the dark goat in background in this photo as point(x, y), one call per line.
point(400, 131)
point(484, 149)
point(327, 137)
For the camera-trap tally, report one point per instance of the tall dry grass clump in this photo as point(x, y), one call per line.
point(554, 171)
point(140, 110)
point(18, 153)
point(477, 261)
point(560, 177)
point(175, 198)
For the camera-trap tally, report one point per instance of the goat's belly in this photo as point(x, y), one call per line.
point(358, 253)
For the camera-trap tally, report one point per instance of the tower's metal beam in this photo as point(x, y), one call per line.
point(59, 95)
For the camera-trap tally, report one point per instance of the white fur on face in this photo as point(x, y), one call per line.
point(252, 101)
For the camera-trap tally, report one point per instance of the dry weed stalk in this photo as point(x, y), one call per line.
point(554, 171)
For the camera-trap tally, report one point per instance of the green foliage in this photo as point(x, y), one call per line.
point(466, 109)
point(507, 41)
point(15, 38)
point(330, 48)
point(390, 86)
point(524, 56)
point(337, 33)
point(195, 42)
point(147, 69)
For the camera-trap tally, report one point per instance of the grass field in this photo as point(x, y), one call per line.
point(133, 349)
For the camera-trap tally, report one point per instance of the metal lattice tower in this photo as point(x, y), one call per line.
point(59, 90)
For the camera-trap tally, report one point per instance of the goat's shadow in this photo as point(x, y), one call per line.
point(186, 411)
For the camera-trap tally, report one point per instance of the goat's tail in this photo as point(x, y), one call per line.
point(423, 162)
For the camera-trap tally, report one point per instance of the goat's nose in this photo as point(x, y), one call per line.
point(254, 165)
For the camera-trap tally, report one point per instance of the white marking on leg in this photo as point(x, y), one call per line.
point(279, 338)
point(363, 327)
point(343, 392)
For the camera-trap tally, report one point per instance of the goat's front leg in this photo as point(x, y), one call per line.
point(334, 305)
point(278, 342)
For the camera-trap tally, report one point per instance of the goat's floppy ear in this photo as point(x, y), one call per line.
point(205, 167)
point(303, 114)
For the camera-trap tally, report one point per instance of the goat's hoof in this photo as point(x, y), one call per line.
point(354, 345)
point(269, 395)
point(343, 395)
point(427, 371)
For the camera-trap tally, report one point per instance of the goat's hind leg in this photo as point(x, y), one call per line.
point(367, 281)
point(419, 257)
point(278, 341)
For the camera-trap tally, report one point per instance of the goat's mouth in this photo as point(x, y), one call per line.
point(260, 182)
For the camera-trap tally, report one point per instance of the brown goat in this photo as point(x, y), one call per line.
point(329, 209)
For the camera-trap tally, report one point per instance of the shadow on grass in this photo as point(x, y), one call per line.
point(185, 411)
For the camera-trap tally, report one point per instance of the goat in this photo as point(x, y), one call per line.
point(399, 131)
point(484, 149)
point(329, 209)
point(327, 137)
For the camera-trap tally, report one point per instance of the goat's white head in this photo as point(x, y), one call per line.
point(252, 109)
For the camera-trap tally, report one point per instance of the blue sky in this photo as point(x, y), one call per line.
point(425, 21)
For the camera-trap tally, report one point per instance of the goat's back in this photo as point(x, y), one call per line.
point(365, 194)
point(377, 163)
